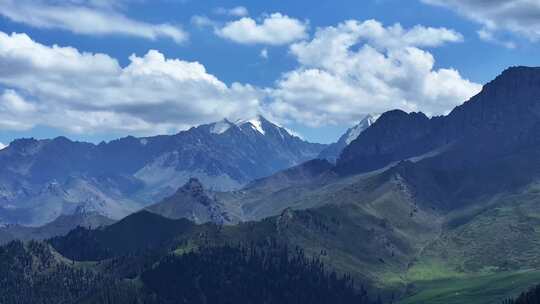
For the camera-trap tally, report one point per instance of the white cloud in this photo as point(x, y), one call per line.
point(489, 36)
point(275, 29)
point(357, 68)
point(239, 11)
point(203, 21)
point(86, 17)
point(521, 17)
point(344, 72)
point(15, 112)
point(83, 92)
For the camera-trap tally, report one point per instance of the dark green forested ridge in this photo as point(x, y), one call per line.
point(263, 272)
point(31, 273)
point(249, 274)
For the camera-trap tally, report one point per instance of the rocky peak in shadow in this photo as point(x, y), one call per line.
point(503, 117)
point(193, 202)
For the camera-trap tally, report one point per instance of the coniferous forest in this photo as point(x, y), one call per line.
point(271, 273)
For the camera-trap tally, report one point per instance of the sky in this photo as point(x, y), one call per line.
point(95, 70)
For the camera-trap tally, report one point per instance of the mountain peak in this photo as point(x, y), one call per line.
point(505, 113)
point(27, 145)
point(257, 123)
point(62, 139)
point(191, 201)
point(193, 185)
point(221, 126)
point(521, 70)
point(517, 78)
point(332, 152)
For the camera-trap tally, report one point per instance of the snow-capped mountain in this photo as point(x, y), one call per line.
point(43, 179)
point(332, 152)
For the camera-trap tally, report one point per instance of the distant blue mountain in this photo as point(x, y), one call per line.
point(43, 179)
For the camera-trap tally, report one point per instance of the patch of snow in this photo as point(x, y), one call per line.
point(220, 127)
point(354, 133)
point(144, 141)
point(255, 124)
point(361, 127)
point(2, 146)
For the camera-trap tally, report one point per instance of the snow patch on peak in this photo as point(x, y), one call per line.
point(220, 127)
point(255, 123)
point(361, 127)
point(2, 146)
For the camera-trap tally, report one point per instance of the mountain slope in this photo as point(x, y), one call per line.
point(364, 239)
point(467, 174)
point(248, 273)
point(61, 226)
point(482, 179)
point(35, 273)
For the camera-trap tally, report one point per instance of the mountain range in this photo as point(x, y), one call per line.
point(415, 209)
point(43, 179)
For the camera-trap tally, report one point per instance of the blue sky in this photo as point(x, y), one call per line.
point(298, 83)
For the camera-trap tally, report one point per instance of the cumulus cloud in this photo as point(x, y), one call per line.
point(343, 73)
point(489, 36)
point(275, 29)
point(15, 112)
point(96, 17)
point(84, 92)
point(358, 68)
point(521, 17)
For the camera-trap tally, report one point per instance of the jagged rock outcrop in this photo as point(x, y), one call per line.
point(193, 202)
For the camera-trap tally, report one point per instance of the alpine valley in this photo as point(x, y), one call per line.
point(404, 208)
